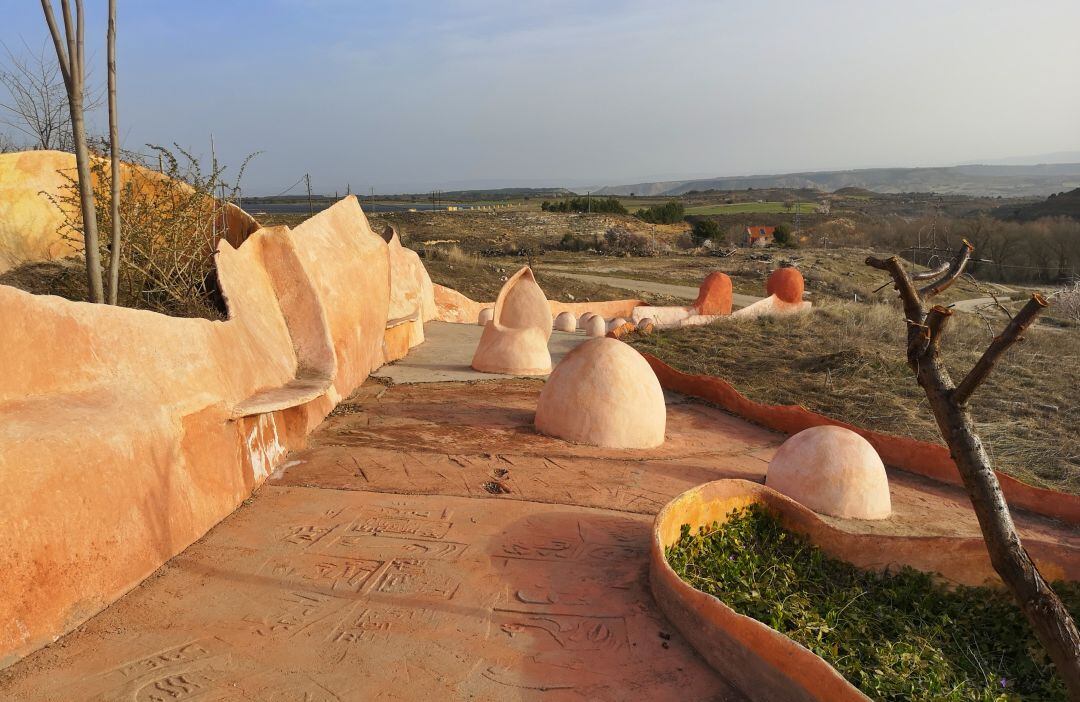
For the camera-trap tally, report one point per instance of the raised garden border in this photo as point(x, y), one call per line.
point(910, 455)
point(765, 663)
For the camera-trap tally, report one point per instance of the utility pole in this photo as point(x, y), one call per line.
point(310, 208)
point(588, 197)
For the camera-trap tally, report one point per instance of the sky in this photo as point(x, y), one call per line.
point(408, 95)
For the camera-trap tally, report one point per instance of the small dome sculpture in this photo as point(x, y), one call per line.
point(485, 316)
point(516, 340)
point(714, 295)
point(787, 284)
point(595, 326)
point(615, 323)
point(581, 321)
point(834, 471)
point(565, 322)
point(603, 393)
point(646, 325)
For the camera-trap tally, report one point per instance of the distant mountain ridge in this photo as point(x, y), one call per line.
point(972, 180)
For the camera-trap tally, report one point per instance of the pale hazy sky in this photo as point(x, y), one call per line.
point(409, 95)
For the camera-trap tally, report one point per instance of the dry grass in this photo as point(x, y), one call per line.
point(846, 360)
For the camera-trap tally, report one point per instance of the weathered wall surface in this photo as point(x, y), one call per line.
point(120, 438)
point(30, 223)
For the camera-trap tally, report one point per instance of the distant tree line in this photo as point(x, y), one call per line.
point(668, 213)
point(1043, 251)
point(607, 205)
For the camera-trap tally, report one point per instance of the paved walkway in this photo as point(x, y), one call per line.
point(447, 351)
point(428, 544)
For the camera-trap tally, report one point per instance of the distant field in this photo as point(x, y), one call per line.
point(767, 207)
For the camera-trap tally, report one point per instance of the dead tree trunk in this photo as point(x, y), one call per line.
point(1049, 618)
point(70, 54)
point(114, 153)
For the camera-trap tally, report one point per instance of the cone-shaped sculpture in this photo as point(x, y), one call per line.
point(714, 295)
point(515, 342)
point(565, 322)
point(596, 326)
point(787, 284)
point(605, 394)
point(832, 470)
point(785, 288)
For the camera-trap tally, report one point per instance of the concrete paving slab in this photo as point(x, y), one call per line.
point(447, 351)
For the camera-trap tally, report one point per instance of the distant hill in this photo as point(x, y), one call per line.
point(973, 180)
point(1059, 205)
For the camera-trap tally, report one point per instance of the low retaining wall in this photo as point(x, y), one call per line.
point(452, 306)
point(125, 435)
point(929, 460)
point(764, 663)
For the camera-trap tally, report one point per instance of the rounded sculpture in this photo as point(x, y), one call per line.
point(485, 316)
point(584, 318)
point(714, 295)
point(615, 323)
point(595, 326)
point(603, 393)
point(646, 325)
point(565, 322)
point(787, 284)
point(834, 471)
point(515, 342)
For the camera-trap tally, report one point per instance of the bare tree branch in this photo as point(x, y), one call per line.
point(956, 267)
point(1012, 334)
point(1049, 618)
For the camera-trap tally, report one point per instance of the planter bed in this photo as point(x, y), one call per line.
point(769, 596)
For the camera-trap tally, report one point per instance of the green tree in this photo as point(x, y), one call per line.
point(782, 235)
point(708, 230)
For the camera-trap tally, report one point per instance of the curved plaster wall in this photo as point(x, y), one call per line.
point(763, 663)
point(125, 443)
point(30, 223)
point(452, 306)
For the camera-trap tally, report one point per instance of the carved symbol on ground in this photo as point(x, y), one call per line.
point(567, 631)
point(333, 573)
point(299, 612)
point(413, 577)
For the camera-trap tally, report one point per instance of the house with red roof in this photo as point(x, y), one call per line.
point(759, 236)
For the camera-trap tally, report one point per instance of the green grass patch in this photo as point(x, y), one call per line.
point(895, 636)
point(767, 207)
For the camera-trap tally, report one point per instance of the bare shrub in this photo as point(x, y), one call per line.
point(622, 242)
point(171, 222)
point(1067, 301)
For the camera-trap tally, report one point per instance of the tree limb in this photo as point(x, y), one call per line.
point(1001, 343)
point(955, 268)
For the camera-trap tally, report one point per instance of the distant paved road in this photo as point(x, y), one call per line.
point(684, 291)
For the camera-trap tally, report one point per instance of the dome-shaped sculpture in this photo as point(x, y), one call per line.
point(595, 326)
point(603, 393)
point(646, 325)
point(566, 322)
point(585, 317)
point(516, 340)
point(615, 323)
point(834, 471)
point(485, 316)
point(787, 284)
point(714, 295)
